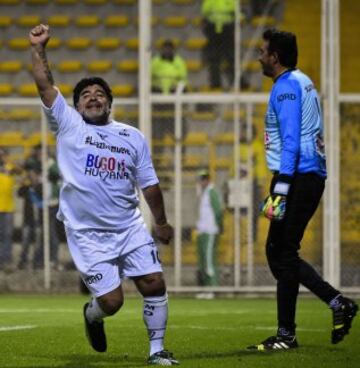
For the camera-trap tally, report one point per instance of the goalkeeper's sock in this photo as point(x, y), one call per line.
point(336, 302)
point(155, 318)
point(286, 333)
point(94, 312)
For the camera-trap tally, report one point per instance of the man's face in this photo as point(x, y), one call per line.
point(204, 181)
point(267, 60)
point(167, 52)
point(93, 104)
point(34, 176)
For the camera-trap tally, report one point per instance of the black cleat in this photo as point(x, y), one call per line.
point(276, 343)
point(342, 318)
point(95, 333)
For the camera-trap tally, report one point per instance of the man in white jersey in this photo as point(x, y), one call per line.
point(102, 162)
point(209, 226)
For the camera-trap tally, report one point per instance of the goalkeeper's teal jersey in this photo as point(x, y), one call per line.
point(294, 127)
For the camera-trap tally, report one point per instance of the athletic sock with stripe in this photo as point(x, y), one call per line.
point(155, 318)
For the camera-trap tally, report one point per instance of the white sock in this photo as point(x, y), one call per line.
point(155, 318)
point(94, 311)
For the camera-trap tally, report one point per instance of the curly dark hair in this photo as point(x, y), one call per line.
point(83, 83)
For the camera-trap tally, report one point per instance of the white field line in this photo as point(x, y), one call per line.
point(38, 310)
point(262, 328)
point(16, 328)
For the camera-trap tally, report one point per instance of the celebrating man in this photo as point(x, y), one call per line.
point(101, 163)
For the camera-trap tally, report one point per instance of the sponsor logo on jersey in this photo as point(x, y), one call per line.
point(102, 136)
point(124, 133)
point(286, 96)
point(101, 145)
point(106, 167)
point(309, 87)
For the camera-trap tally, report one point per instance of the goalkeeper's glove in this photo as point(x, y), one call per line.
point(274, 206)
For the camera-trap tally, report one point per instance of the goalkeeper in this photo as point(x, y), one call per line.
point(295, 154)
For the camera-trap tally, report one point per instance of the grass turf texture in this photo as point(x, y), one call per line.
point(202, 333)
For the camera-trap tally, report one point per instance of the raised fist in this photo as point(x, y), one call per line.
point(39, 35)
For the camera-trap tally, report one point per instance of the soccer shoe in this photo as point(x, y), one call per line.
point(162, 357)
point(276, 343)
point(342, 318)
point(95, 333)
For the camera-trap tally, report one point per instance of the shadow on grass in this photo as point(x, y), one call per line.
point(240, 353)
point(124, 361)
point(87, 361)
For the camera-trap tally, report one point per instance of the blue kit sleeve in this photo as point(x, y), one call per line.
point(287, 106)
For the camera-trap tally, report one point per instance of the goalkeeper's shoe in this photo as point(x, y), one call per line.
point(162, 357)
point(95, 333)
point(342, 318)
point(276, 343)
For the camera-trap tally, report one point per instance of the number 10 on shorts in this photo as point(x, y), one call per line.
point(155, 256)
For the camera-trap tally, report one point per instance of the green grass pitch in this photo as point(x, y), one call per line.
point(47, 331)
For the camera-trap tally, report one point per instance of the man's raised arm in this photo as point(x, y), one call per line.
point(39, 36)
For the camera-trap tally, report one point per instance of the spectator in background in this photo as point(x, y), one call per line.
point(7, 207)
point(218, 27)
point(33, 162)
point(167, 69)
point(28, 220)
point(35, 193)
point(209, 226)
point(30, 228)
point(53, 203)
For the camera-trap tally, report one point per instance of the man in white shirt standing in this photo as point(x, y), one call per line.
point(209, 226)
point(102, 162)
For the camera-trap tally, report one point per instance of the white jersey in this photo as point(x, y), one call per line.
point(206, 222)
point(101, 166)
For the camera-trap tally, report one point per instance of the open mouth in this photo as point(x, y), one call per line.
point(94, 106)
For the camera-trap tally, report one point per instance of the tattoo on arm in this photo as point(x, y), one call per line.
point(45, 65)
point(42, 75)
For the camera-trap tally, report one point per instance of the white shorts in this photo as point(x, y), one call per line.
point(103, 258)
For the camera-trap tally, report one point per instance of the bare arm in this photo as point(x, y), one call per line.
point(39, 36)
point(154, 199)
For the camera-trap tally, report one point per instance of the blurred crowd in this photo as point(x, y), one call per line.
point(21, 184)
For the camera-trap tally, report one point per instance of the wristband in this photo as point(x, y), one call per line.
point(282, 185)
point(281, 188)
